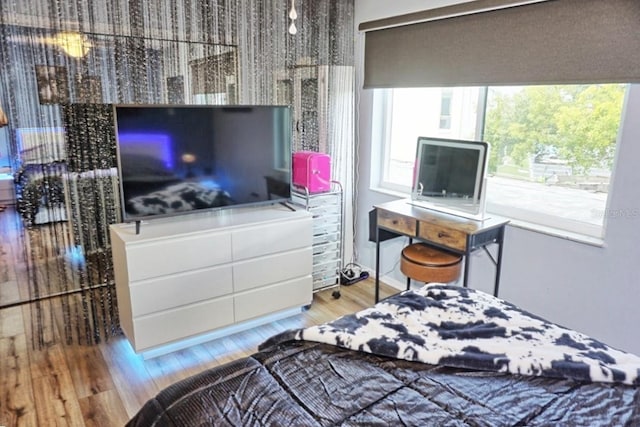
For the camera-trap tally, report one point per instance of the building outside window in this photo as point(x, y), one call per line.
point(445, 108)
point(552, 147)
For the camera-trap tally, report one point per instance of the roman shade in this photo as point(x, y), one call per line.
point(498, 42)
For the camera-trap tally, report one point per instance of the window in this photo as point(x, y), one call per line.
point(445, 108)
point(552, 147)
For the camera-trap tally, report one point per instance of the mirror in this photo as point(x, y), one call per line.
point(64, 194)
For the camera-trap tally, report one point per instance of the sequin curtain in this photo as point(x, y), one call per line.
point(59, 102)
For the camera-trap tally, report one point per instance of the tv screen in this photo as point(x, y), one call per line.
point(450, 173)
point(178, 159)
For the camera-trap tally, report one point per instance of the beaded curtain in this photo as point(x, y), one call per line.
point(63, 63)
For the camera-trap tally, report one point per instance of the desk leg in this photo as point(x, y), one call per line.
point(467, 263)
point(496, 286)
point(377, 264)
point(409, 278)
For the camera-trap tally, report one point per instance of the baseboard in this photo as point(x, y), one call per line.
point(400, 285)
point(387, 280)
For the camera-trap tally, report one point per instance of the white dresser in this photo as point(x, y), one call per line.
point(186, 276)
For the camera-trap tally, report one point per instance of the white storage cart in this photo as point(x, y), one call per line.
point(328, 221)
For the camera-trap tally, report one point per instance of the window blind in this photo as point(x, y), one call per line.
point(494, 42)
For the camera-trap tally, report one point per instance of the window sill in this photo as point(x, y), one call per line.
point(558, 233)
point(388, 192)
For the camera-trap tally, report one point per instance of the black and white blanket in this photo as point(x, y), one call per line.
point(464, 328)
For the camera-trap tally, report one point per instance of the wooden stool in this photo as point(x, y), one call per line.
point(427, 264)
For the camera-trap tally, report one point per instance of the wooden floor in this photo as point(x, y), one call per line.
point(106, 384)
point(39, 251)
point(12, 259)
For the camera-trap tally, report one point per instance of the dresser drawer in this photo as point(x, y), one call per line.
point(272, 269)
point(270, 299)
point(182, 322)
point(251, 242)
point(395, 222)
point(159, 294)
point(453, 239)
point(177, 254)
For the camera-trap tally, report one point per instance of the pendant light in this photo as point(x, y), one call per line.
point(293, 15)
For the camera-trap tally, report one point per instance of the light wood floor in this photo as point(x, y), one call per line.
point(106, 384)
point(39, 251)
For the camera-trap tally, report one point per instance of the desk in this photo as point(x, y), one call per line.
point(441, 230)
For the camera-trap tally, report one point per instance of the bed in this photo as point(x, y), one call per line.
point(440, 355)
point(40, 193)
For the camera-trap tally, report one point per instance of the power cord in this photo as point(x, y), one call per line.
point(352, 273)
point(351, 270)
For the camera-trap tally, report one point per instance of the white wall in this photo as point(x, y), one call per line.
point(591, 289)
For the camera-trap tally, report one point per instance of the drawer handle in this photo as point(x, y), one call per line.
point(442, 234)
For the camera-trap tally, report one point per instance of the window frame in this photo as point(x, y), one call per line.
point(538, 221)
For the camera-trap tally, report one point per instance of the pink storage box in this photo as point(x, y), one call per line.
point(312, 170)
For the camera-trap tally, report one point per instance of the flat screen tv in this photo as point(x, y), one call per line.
point(449, 175)
point(184, 158)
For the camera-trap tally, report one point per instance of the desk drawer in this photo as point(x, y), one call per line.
point(395, 222)
point(453, 239)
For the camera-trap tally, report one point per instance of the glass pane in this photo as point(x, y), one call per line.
point(417, 112)
point(552, 151)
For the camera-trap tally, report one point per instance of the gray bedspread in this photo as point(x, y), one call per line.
point(293, 382)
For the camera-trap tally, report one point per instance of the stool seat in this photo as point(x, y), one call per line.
point(428, 264)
